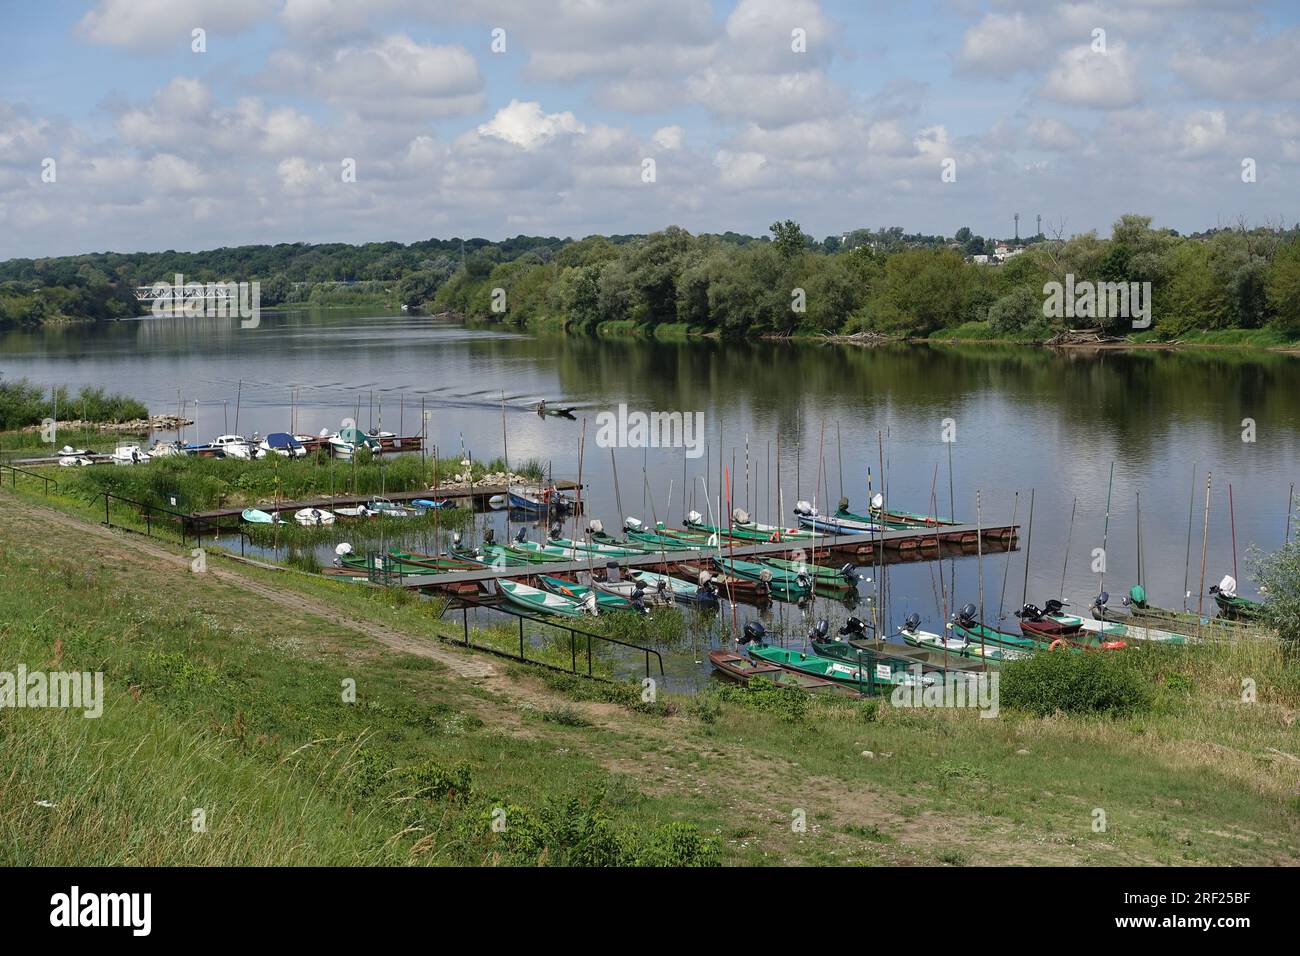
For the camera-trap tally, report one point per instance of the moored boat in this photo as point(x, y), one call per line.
point(256, 516)
point(744, 669)
point(545, 602)
point(786, 585)
point(314, 517)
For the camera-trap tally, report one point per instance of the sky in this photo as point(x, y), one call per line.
point(121, 130)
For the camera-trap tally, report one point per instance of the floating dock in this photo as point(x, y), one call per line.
point(859, 549)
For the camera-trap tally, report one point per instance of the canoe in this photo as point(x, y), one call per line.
point(743, 669)
point(544, 602)
point(253, 516)
point(681, 591)
point(314, 517)
point(580, 592)
point(786, 585)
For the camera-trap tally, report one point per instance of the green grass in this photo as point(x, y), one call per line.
point(239, 707)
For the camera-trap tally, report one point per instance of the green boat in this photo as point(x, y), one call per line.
point(785, 585)
point(581, 592)
point(1233, 606)
point(1184, 622)
point(966, 628)
point(878, 678)
point(404, 563)
point(544, 602)
point(823, 578)
point(745, 530)
point(492, 556)
point(952, 645)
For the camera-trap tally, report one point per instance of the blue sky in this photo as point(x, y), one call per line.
point(156, 146)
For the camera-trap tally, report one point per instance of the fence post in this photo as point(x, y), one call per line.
point(573, 651)
point(465, 613)
point(521, 640)
point(106, 518)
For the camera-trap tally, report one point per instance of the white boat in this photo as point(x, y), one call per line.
point(387, 509)
point(314, 517)
point(129, 455)
point(282, 443)
point(356, 511)
point(74, 461)
point(165, 449)
point(236, 446)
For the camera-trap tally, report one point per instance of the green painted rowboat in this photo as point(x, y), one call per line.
point(823, 578)
point(580, 592)
point(746, 530)
point(404, 563)
point(1237, 608)
point(957, 646)
point(869, 678)
point(785, 585)
point(542, 602)
point(492, 556)
point(1183, 622)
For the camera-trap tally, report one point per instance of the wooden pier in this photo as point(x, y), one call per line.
point(858, 549)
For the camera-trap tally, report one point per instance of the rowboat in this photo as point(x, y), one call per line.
point(536, 553)
point(859, 677)
point(544, 602)
point(594, 547)
point(1184, 622)
point(537, 501)
point(744, 529)
point(1039, 624)
point(492, 556)
point(824, 579)
point(314, 517)
point(1233, 606)
point(910, 631)
point(907, 518)
point(810, 518)
point(405, 563)
point(743, 669)
point(853, 641)
point(682, 592)
point(663, 542)
point(729, 586)
point(966, 628)
point(786, 585)
point(581, 592)
point(254, 516)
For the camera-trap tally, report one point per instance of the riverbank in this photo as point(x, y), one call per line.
point(235, 679)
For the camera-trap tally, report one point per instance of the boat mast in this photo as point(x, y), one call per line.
point(1068, 539)
point(1139, 537)
point(979, 546)
point(1015, 510)
point(505, 451)
point(1105, 533)
point(1232, 523)
point(1187, 558)
point(1029, 546)
point(1205, 541)
point(1290, 503)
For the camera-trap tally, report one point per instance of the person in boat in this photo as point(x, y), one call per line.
point(541, 409)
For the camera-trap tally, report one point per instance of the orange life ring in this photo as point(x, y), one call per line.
point(1056, 644)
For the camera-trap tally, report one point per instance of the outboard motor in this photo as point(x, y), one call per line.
point(489, 534)
point(877, 501)
point(594, 527)
point(819, 631)
point(694, 517)
point(455, 539)
point(1137, 596)
point(849, 573)
point(1227, 587)
point(854, 627)
point(557, 529)
point(740, 516)
point(803, 507)
point(912, 622)
point(632, 524)
point(1030, 612)
point(803, 580)
point(522, 536)
point(765, 576)
point(753, 633)
point(612, 574)
point(1099, 608)
point(966, 616)
point(1053, 606)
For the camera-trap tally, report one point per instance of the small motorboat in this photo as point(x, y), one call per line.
point(129, 455)
point(237, 446)
point(809, 517)
point(429, 504)
point(314, 517)
point(166, 449)
point(389, 509)
point(256, 516)
point(356, 511)
point(282, 443)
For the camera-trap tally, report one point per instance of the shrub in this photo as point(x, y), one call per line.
point(1097, 682)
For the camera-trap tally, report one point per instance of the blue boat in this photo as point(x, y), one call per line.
point(284, 444)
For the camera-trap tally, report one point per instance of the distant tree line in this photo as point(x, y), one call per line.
point(882, 280)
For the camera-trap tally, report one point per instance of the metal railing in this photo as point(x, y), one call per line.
point(573, 632)
point(149, 513)
point(14, 472)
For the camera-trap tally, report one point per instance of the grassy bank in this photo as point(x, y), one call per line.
point(221, 698)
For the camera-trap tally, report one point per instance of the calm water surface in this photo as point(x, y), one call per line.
point(1026, 420)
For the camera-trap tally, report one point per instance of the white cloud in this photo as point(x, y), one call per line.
point(394, 77)
point(166, 24)
point(1052, 134)
point(525, 125)
point(669, 137)
point(1083, 77)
